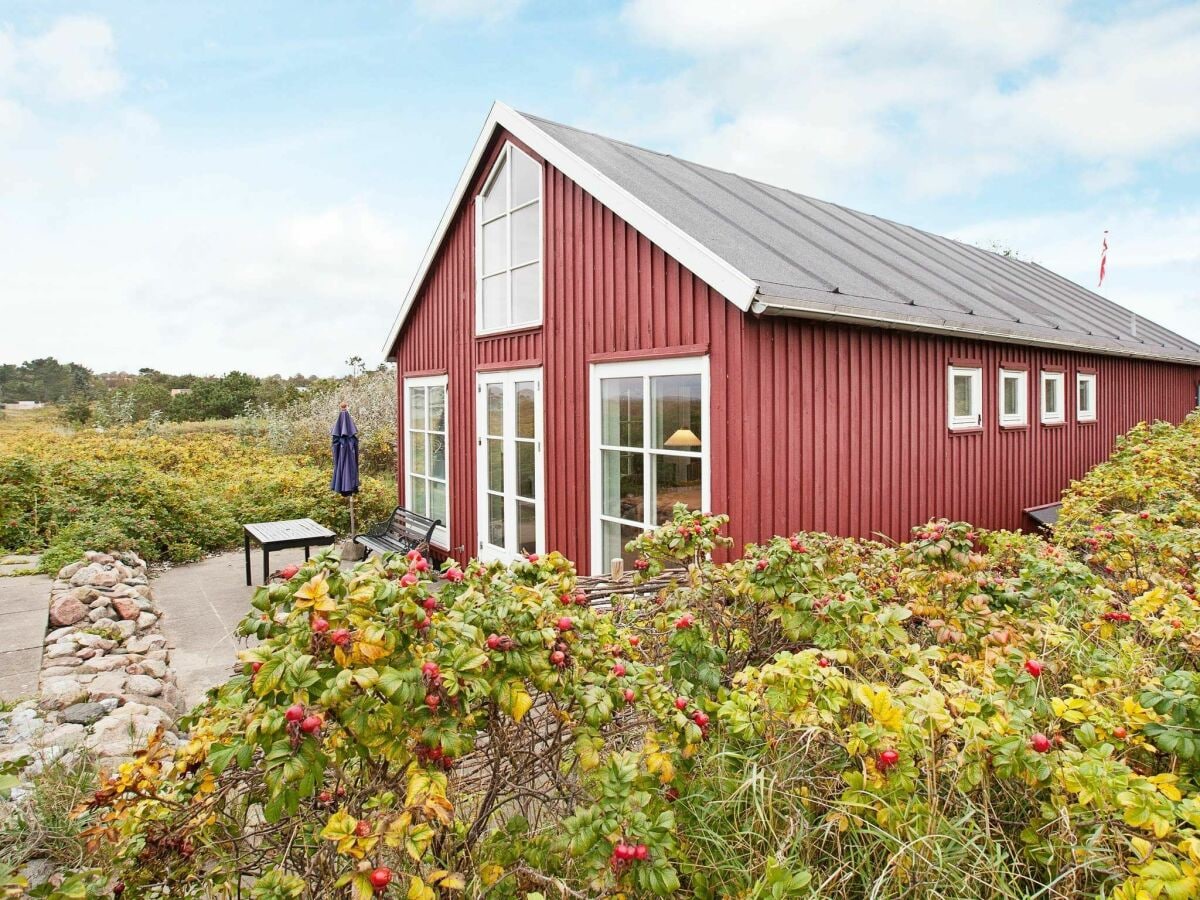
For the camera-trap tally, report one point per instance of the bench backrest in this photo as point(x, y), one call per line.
point(409, 524)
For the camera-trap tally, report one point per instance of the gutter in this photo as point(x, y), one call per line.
point(765, 304)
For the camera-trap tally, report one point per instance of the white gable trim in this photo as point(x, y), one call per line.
point(738, 288)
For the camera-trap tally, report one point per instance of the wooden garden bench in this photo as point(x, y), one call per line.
point(403, 531)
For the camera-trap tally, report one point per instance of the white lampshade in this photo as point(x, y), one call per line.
point(684, 437)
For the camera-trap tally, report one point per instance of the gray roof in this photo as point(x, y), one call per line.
point(817, 259)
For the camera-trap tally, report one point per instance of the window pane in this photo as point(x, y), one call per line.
point(526, 178)
point(1085, 395)
point(418, 453)
point(962, 395)
point(495, 464)
point(495, 409)
point(676, 480)
point(526, 527)
point(526, 283)
point(495, 301)
point(416, 407)
point(613, 538)
point(437, 501)
point(622, 485)
point(495, 520)
point(437, 408)
point(621, 412)
point(526, 239)
point(1051, 395)
point(1011, 407)
point(524, 391)
point(418, 495)
point(495, 247)
point(676, 412)
point(495, 200)
point(437, 455)
point(525, 469)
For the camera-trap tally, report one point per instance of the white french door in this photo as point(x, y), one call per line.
point(511, 472)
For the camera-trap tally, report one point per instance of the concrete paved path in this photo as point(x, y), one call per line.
point(24, 606)
point(203, 603)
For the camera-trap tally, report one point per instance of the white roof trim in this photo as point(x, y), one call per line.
point(689, 252)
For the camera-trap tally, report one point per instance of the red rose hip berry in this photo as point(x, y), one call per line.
point(381, 878)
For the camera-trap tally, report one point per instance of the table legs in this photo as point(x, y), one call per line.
point(306, 554)
point(266, 565)
point(246, 538)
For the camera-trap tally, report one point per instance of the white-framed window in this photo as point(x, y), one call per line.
point(1085, 397)
point(649, 448)
point(508, 245)
point(1053, 406)
point(426, 457)
point(1014, 397)
point(964, 389)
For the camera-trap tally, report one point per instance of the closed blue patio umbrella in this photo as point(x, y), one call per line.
point(345, 461)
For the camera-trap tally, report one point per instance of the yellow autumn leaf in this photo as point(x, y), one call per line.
point(521, 701)
point(419, 890)
point(314, 594)
point(490, 874)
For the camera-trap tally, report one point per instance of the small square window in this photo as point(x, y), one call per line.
point(965, 397)
point(1014, 397)
point(1053, 411)
point(1085, 392)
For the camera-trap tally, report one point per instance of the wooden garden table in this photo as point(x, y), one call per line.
point(280, 536)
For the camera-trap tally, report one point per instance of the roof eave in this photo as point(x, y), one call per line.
point(764, 304)
point(706, 265)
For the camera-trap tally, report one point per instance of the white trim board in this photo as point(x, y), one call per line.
point(441, 534)
point(720, 275)
point(644, 369)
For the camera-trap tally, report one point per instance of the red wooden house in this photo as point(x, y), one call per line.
point(598, 331)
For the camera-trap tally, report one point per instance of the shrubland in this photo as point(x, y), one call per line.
point(166, 497)
point(967, 714)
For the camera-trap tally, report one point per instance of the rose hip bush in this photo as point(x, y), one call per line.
point(968, 714)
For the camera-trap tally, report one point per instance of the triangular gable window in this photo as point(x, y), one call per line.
point(508, 241)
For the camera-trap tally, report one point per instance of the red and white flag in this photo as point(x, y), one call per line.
point(1103, 257)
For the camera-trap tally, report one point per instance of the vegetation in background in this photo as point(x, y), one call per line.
point(165, 497)
point(119, 398)
point(969, 714)
point(302, 427)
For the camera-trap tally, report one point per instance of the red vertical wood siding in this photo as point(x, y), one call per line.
point(836, 428)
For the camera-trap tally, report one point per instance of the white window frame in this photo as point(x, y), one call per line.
point(509, 378)
point(1021, 416)
point(973, 421)
point(504, 159)
point(645, 369)
point(1089, 414)
point(441, 534)
point(1058, 416)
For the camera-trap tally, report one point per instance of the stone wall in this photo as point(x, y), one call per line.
point(106, 681)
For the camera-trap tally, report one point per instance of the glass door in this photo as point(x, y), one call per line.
point(511, 475)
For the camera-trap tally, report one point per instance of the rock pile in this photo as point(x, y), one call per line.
point(106, 681)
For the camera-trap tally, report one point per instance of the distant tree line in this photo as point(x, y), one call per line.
point(122, 397)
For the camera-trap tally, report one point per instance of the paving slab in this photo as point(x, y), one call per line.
point(203, 603)
point(24, 604)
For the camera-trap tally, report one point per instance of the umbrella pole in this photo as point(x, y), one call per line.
point(353, 530)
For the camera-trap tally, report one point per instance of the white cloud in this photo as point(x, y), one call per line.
point(73, 60)
point(941, 95)
point(221, 288)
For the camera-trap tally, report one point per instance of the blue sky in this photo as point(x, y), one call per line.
point(208, 186)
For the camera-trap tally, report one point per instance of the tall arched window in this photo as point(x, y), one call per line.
point(508, 241)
